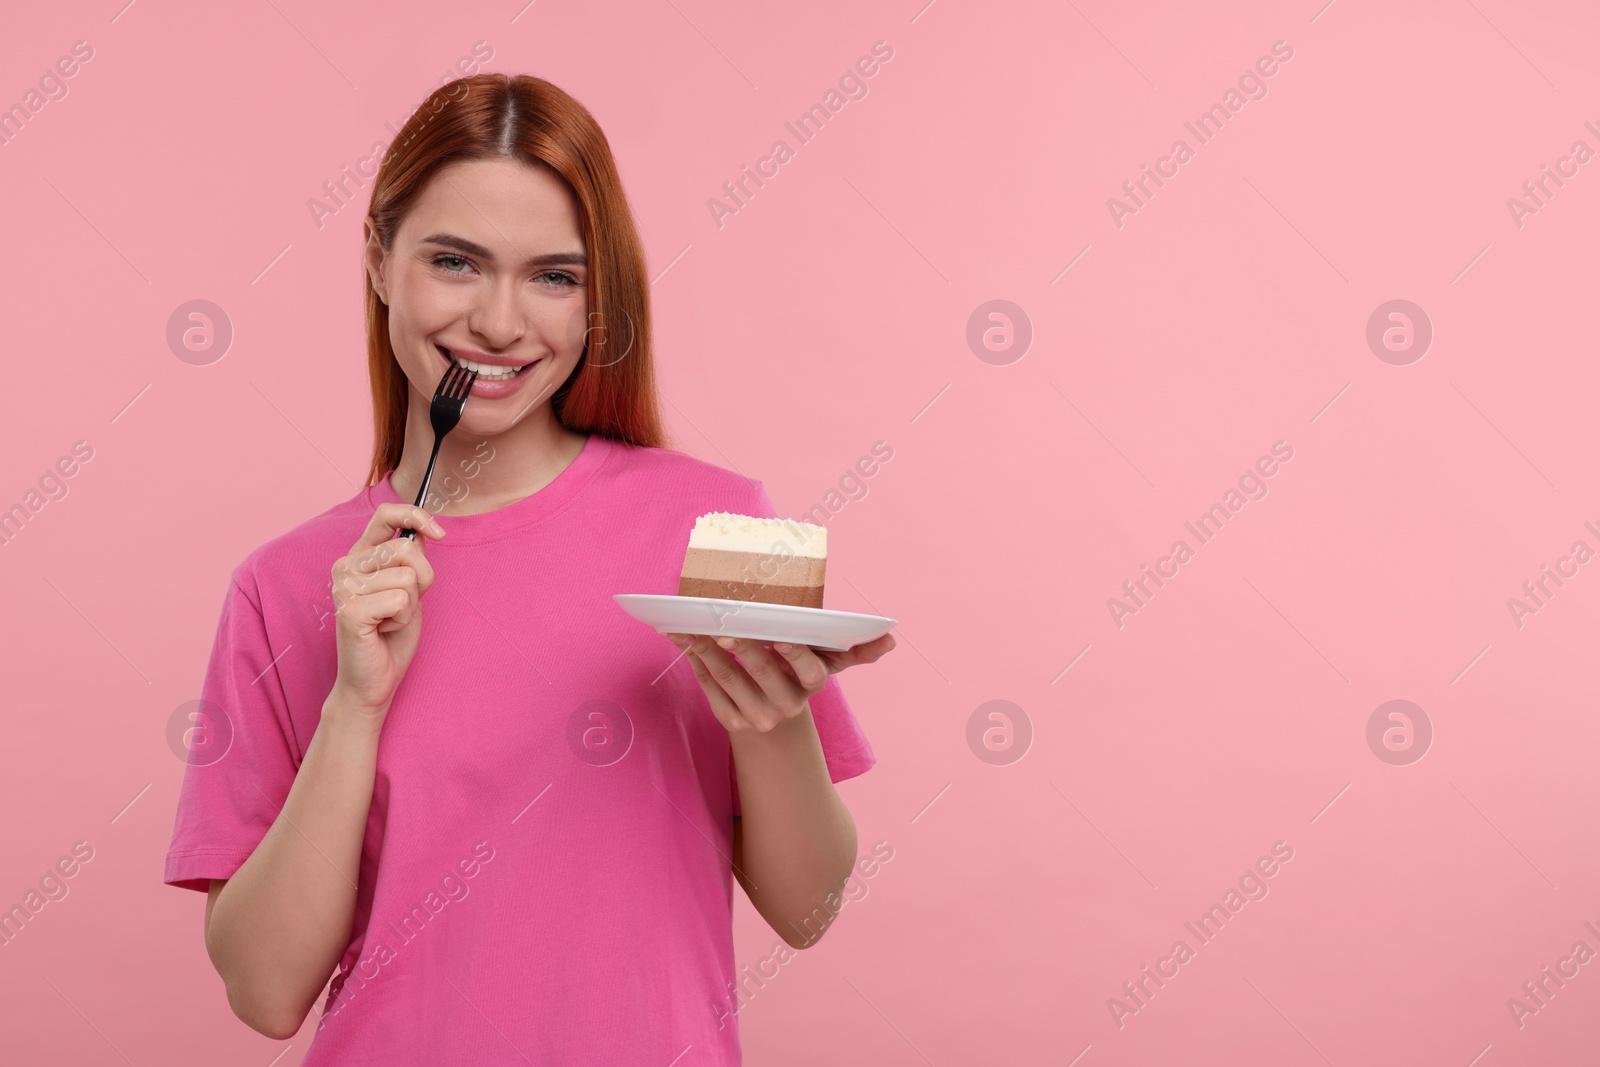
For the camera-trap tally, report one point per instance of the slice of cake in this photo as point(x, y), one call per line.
point(738, 557)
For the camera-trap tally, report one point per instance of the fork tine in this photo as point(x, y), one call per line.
point(450, 384)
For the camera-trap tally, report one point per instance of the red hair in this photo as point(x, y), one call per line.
point(612, 390)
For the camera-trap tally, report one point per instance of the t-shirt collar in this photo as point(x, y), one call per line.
point(530, 510)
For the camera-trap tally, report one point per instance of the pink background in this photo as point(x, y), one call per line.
point(831, 312)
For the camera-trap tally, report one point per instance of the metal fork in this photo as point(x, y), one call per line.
point(449, 400)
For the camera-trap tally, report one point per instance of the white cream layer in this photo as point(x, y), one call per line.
point(744, 533)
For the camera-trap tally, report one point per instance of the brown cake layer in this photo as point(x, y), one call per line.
point(800, 596)
point(769, 578)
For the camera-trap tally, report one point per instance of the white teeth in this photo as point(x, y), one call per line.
point(486, 372)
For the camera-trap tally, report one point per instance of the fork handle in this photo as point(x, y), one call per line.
point(427, 479)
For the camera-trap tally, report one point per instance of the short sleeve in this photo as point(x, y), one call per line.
point(844, 743)
point(241, 759)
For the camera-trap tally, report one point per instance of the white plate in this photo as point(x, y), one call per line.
point(835, 631)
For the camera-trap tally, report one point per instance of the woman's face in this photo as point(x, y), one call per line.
point(489, 265)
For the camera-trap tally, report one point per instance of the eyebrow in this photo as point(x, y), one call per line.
point(461, 244)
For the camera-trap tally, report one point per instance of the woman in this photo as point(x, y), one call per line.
point(513, 838)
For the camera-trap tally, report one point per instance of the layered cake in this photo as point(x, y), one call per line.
point(738, 557)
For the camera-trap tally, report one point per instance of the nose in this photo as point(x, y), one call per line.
point(496, 316)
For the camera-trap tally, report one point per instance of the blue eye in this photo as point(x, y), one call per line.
point(556, 279)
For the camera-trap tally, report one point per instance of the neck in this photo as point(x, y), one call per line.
point(476, 473)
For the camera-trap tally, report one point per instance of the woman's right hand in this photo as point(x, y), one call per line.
point(377, 593)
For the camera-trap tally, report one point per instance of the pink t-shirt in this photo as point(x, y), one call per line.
point(546, 870)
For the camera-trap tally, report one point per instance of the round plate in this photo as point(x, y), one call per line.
point(835, 631)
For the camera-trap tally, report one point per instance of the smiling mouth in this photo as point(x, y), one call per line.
point(487, 372)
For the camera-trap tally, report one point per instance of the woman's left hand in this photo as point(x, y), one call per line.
point(767, 684)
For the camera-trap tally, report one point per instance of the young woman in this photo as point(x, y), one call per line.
point(510, 831)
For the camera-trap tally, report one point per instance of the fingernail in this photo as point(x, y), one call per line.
point(783, 646)
point(725, 642)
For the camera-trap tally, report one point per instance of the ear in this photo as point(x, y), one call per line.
point(374, 257)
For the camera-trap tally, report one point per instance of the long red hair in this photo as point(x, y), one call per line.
point(612, 390)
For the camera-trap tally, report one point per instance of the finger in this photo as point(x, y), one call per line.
point(399, 552)
point(859, 654)
point(743, 690)
point(876, 648)
point(810, 670)
point(779, 675)
point(682, 641)
point(722, 705)
point(389, 518)
point(389, 626)
point(402, 578)
point(367, 611)
point(401, 612)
